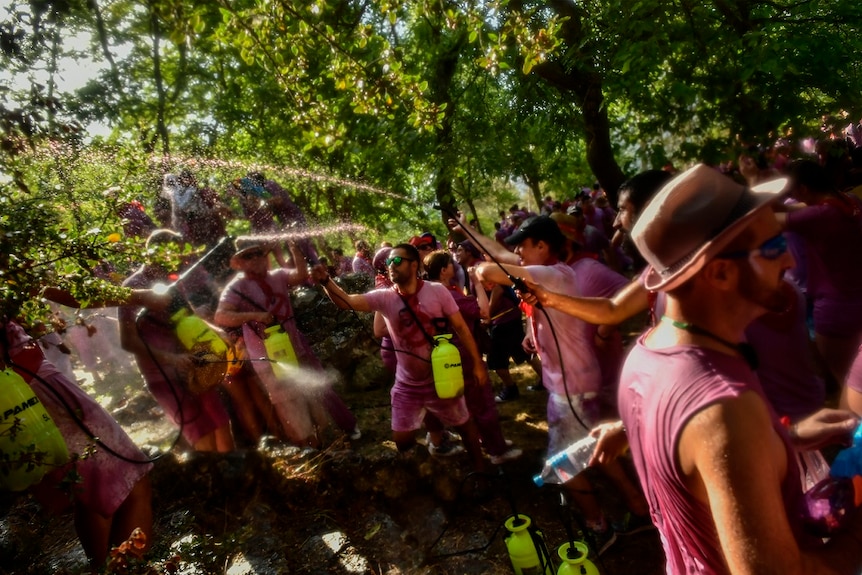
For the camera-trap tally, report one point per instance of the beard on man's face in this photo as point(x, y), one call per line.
point(758, 289)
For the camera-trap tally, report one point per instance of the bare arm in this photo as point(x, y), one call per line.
point(339, 297)
point(227, 316)
point(734, 462)
point(488, 272)
point(380, 329)
point(298, 273)
point(481, 295)
point(632, 299)
point(485, 244)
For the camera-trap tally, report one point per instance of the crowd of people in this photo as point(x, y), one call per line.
point(751, 288)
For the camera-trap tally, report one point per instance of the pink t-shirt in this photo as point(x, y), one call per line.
point(598, 280)
point(106, 480)
point(431, 301)
point(661, 390)
point(271, 294)
point(563, 334)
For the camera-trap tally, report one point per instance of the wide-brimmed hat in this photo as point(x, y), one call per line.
point(243, 246)
point(537, 228)
point(692, 219)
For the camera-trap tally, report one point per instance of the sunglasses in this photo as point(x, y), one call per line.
point(771, 249)
point(252, 255)
point(425, 247)
point(397, 260)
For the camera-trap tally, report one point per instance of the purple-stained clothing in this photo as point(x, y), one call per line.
point(136, 222)
point(106, 480)
point(786, 366)
point(854, 376)
point(582, 372)
point(413, 393)
point(660, 391)
point(598, 280)
point(575, 376)
point(197, 415)
point(272, 294)
point(194, 213)
point(361, 265)
point(479, 398)
point(256, 210)
point(833, 233)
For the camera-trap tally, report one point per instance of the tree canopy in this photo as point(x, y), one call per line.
point(373, 111)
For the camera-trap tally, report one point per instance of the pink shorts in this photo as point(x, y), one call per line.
point(410, 403)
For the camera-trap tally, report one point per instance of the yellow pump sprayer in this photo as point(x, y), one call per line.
point(446, 368)
point(30, 443)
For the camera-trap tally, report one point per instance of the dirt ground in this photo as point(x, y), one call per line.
point(354, 507)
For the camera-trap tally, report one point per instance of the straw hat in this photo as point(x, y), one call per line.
point(692, 219)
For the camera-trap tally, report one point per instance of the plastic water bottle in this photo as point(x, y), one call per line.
point(563, 466)
point(830, 504)
point(446, 368)
point(30, 442)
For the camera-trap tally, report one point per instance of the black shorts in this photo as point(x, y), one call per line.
point(506, 339)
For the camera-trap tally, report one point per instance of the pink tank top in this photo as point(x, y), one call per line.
point(660, 390)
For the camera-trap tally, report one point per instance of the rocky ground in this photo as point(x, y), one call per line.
point(353, 508)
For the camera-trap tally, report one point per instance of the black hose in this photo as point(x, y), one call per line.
point(520, 285)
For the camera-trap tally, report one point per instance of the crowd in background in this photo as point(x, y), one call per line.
point(581, 277)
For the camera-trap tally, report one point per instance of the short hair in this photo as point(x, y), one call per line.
point(414, 253)
point(643, 186)
point(810, 174)
point(435, 262)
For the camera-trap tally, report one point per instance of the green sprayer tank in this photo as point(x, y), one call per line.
point(279, 349)
point(446, 368)
point(30, 443)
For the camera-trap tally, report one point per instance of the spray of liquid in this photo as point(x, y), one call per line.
point(286, 171)
point(306, 233)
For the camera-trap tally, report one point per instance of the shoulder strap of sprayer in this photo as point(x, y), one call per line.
point(430, 339)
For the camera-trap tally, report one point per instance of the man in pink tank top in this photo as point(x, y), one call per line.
point(715, 462)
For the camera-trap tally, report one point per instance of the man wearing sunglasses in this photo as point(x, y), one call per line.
point(259, 298)
point(408, 301)
point(716, 464)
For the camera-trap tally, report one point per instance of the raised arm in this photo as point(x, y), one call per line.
point(339, 297)
point(485, 244)
point(631, 300)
